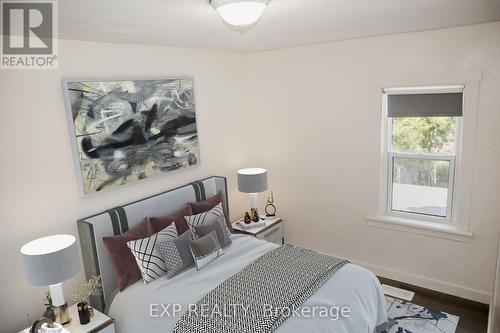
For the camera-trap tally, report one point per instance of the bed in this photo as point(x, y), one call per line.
point(139, 307)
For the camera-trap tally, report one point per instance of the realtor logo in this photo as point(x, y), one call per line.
point(29, 34)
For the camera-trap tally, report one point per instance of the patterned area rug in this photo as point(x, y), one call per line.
point(406, 317)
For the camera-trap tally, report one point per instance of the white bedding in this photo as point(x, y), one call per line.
point(351, 286)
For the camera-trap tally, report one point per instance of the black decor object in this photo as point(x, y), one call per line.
point(255, 215)
point(270, 207)
point(83, 313)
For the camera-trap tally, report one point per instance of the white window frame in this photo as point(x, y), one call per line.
point(458, 228)
point(391, 153)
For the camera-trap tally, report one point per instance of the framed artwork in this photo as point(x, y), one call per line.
point(127, 130)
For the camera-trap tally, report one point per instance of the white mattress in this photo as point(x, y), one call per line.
point(351, 286)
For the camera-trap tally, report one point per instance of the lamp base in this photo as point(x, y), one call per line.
point(62, 314)
point(253, 200)
point(60, 305)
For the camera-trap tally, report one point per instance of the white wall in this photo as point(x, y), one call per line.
point(317, 130)
point(38, 186)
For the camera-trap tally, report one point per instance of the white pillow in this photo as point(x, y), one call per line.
point(147, 254)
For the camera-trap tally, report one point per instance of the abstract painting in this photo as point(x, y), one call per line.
point(128, 130)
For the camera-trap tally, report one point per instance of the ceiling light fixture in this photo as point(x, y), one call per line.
point(240, 13)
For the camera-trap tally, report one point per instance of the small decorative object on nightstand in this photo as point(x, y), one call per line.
point(49, 308)
point(270, 229)
point(87, 289)
point(255, 215)
point(270, 207)
point(247, 219)
point(51, 328)
point(83, 313)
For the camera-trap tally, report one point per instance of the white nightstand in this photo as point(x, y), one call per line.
point(272, 231)
point(99, 323)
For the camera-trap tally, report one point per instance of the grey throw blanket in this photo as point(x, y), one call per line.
point(250, 301)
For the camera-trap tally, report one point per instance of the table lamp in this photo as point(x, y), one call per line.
point(49, 261)
point(252, 181)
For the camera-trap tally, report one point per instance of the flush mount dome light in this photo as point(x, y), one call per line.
point(240, 13)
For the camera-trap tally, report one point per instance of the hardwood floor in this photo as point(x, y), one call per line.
point(473, 315)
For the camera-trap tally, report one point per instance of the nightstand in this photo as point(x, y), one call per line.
point(272, 231)
point(99, 323)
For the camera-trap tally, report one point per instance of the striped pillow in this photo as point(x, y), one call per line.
point(147, 254)
point(214, 214)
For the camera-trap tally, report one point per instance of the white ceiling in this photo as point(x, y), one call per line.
point(193, 23)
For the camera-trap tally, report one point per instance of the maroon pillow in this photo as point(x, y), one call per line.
point(123, 260)
point(160, 223)
point(205, 206)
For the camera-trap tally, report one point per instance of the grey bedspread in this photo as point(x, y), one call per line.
point(263, 295)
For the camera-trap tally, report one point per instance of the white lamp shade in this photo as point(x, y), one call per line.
point(252, 180)
point(240, 13)
point(51, 260)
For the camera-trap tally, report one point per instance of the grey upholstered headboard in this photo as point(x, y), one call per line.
point(117, 220)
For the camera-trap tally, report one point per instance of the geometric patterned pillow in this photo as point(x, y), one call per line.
point(147, 254)
point(214, 214)
point(176, 254)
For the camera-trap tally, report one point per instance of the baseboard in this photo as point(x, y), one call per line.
point(425, 282)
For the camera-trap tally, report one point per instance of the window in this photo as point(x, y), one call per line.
point(422, 148)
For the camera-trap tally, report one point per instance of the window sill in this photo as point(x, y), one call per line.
point(431, 229)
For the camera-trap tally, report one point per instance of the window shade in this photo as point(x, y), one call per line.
point(425, 105)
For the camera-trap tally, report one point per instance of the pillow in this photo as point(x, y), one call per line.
point(205, 249)
point(148, 256)
point(218, 226)
point(123, 260)
point(176, 254)
point(205, 206)
point(160, 223)
point(206, 217)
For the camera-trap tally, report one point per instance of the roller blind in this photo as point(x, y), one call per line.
point(425, 105)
